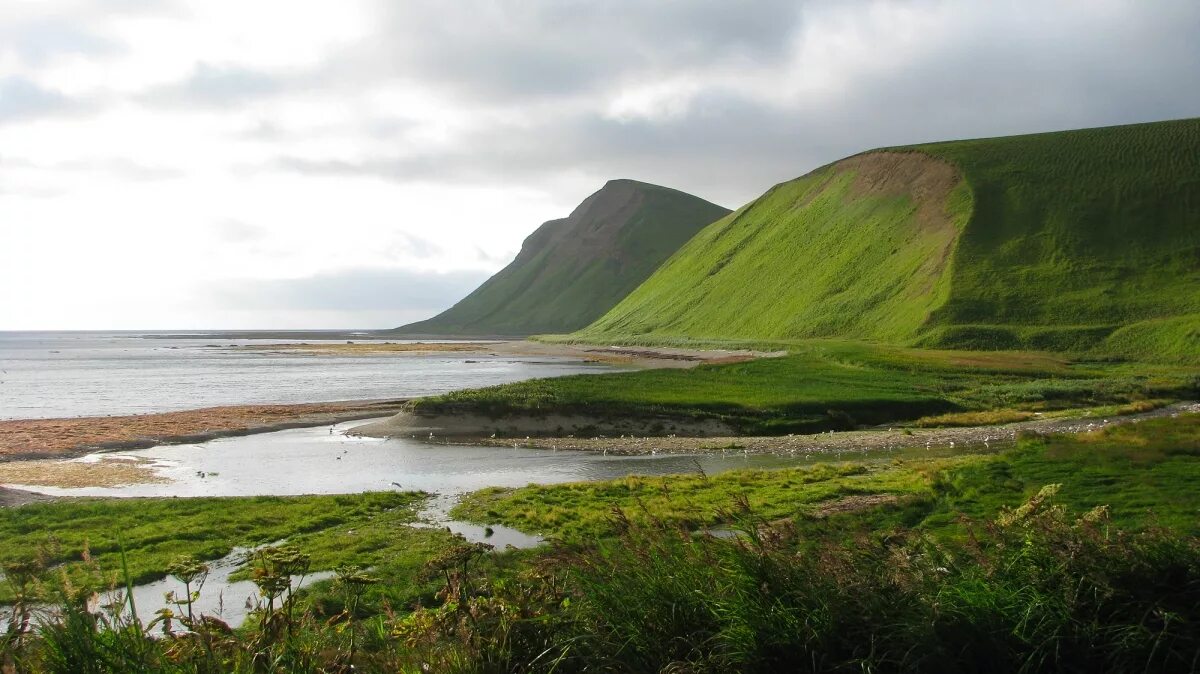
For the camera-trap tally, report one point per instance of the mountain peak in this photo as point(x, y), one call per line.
point(572, 270)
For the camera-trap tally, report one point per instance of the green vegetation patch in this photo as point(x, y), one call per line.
point(365, 529)
point(581, 511)
point(1146, 473)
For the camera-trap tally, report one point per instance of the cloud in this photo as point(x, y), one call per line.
point(487, 51)
point(711, 98)
point(466, 124)
point(40, 41)
point(236, 231)
point(22, 99)
point(216, 85)
point(404, 244)
point(355, 290)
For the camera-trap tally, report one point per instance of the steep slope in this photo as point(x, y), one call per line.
point(1066, 241)
point(570, 271)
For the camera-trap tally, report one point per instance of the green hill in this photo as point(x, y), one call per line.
point(570, 271)
point(1071, 241)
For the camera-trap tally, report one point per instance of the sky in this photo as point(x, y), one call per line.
point(176, 164)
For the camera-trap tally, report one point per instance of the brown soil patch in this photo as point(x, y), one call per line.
point(922, 178)
point(36, 438)
point(108, 472)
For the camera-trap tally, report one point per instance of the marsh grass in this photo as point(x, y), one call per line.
point(368, 529)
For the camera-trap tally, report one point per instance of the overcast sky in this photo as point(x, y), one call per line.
point(365, 163)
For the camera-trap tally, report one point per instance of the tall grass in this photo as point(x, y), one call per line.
point(1037, 588)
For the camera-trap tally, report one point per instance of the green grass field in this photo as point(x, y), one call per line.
point(1075, 241)
point(825, 384)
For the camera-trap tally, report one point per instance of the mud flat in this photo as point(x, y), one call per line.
point(22, 439)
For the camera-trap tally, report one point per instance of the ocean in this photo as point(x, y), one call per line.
point(71, 374)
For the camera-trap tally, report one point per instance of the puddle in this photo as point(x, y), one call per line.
point(437, 514)
point(229, 600)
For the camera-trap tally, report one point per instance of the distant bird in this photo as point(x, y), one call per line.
point(397, 485)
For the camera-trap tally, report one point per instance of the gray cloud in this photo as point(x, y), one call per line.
point(487, 51)
point(994, 72)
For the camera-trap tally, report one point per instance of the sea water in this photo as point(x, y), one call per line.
point(70, 374)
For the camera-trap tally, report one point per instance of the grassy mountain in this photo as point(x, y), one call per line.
point(570, 271)
point(1073, 241)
